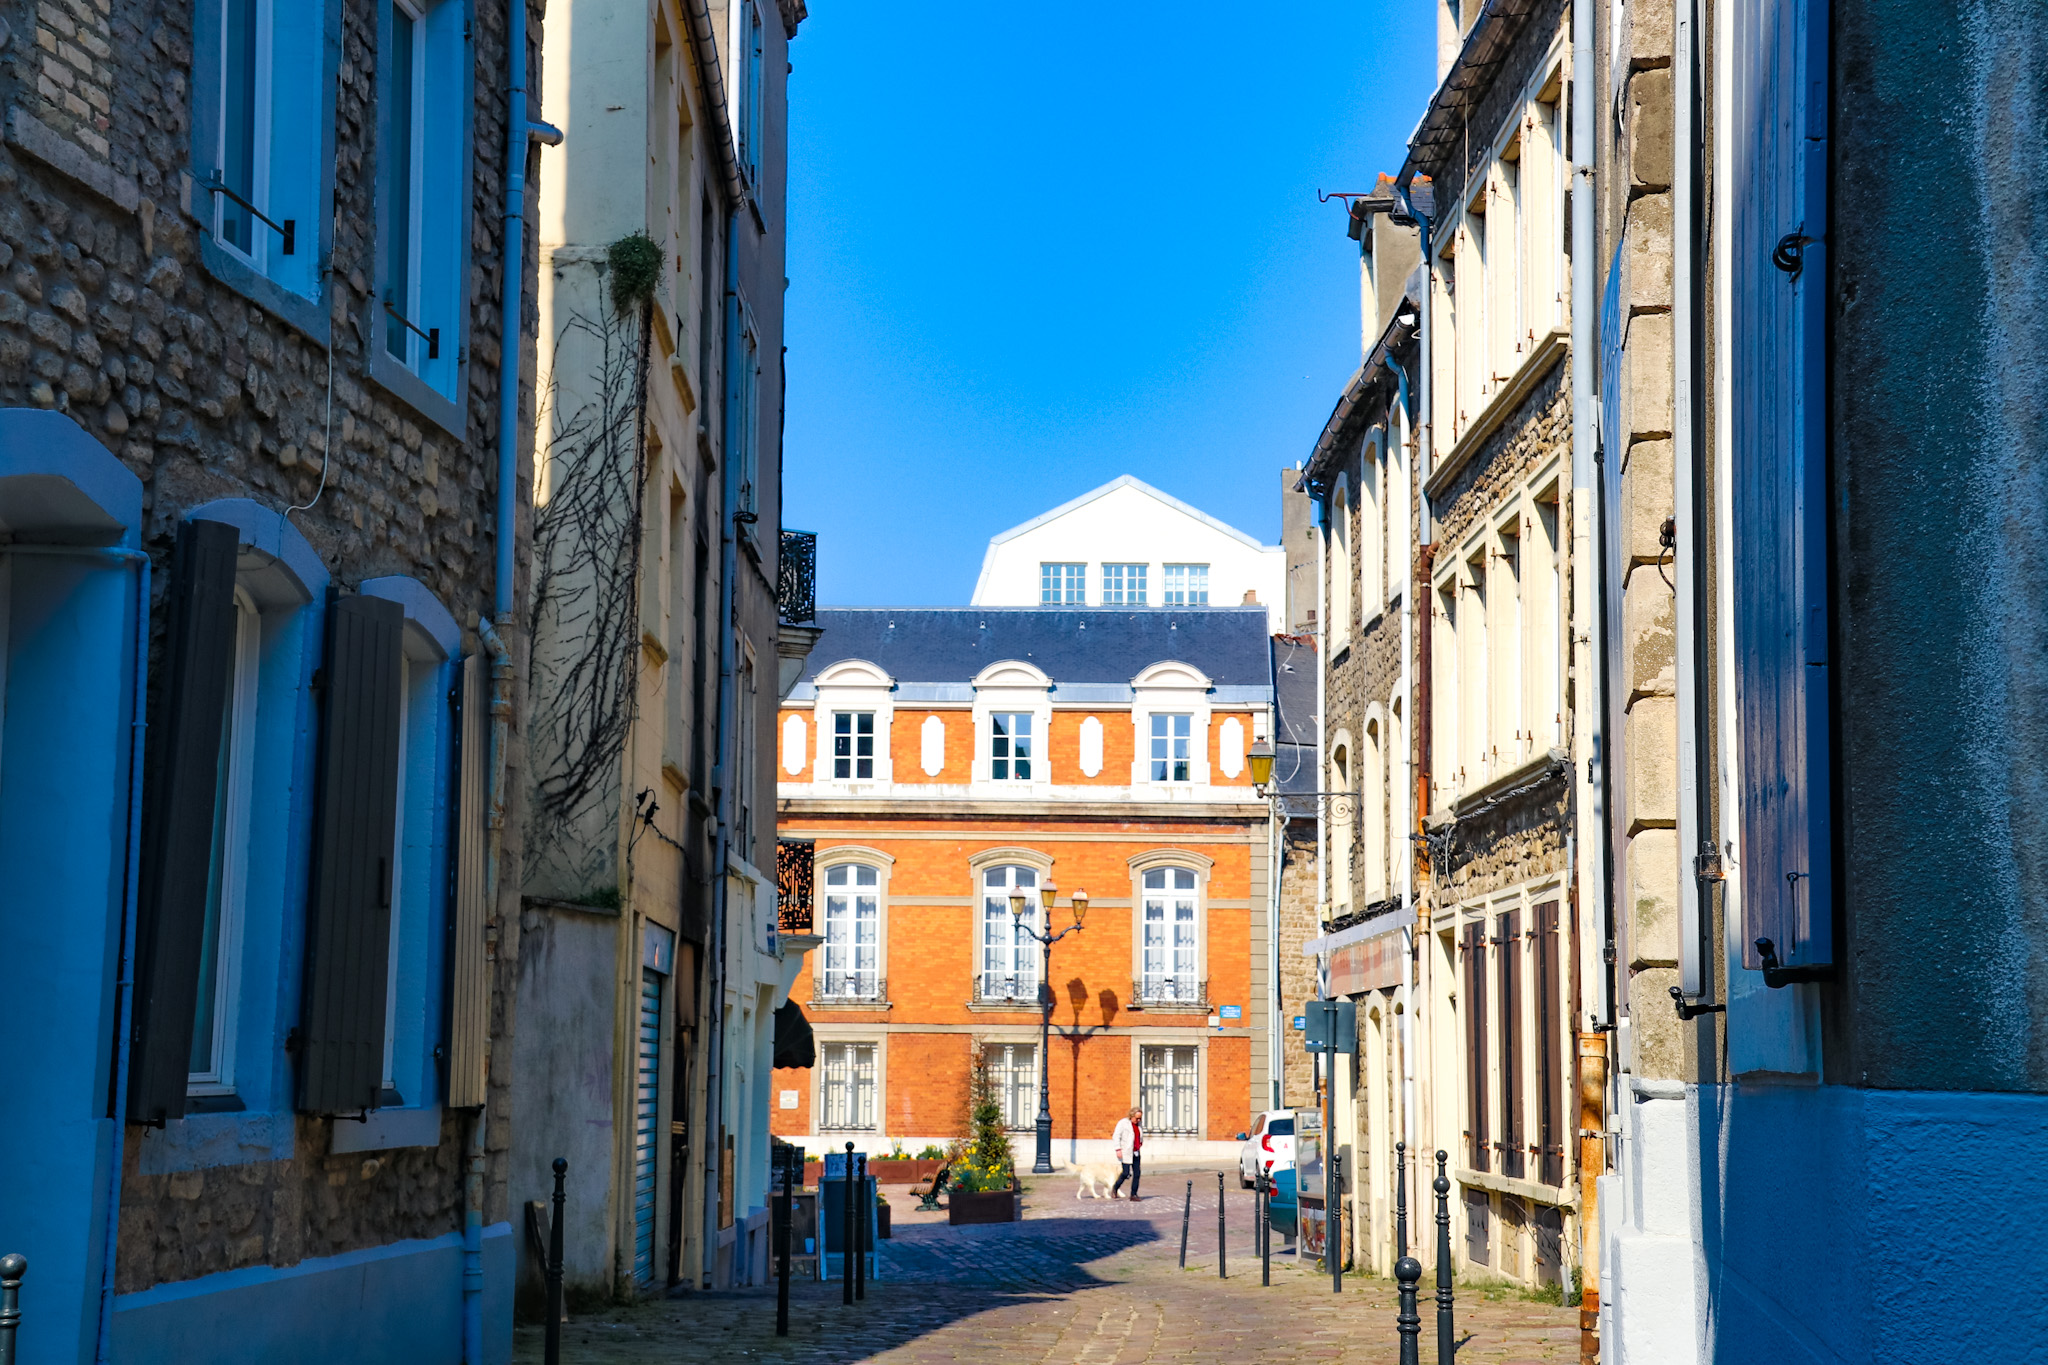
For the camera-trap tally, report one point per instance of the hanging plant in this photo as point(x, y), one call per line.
point(635, 262)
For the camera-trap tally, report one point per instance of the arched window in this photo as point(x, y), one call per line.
point(1169, 935)
point(852, 964)
point(1009, 955)
point(1342, 816)
point(1341, 569)
point(1375, 805)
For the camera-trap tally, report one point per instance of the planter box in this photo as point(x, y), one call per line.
point(999, 1206)
point(908, 1171)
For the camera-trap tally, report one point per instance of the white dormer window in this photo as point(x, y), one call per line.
point(1010, 746)
point(1170, 745)
point(853, 745)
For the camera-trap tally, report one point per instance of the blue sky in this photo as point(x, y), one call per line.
point(1033, 248)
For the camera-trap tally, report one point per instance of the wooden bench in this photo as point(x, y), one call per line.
point(928, 1191)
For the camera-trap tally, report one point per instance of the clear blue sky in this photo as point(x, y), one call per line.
point(1033, 248)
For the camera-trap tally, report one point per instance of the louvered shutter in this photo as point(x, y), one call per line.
point(469, 998)
point(178, 819)
point(1778, 512)
point(348, 930)
point(1513, 1153)
point(1548, 998)
point(1475, 1044)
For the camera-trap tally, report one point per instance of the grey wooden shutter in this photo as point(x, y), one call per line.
point(348, 930)
point(1778, 510)
point(1548, 1000)
point(469, 993)
point(178, 818)
point(1512, 1152)
point(1474, 1005)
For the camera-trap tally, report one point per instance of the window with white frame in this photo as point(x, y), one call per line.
point(1013, 1073)
point(1172, 747)
point(1062, 585)
point(1340, 564)
point(853, 745)
point(1170, 969)
point(424, 187)
point(748, 41)
point(260, 73)
point(851, 967)
point(1372, 555)
point(1010, 746)
point(1123, 585)
point(847, 1085)
point(1374, 854)
point(743, 415)
point(220, 958)
point(1167, 1090)
point(1009, 954)
point(1187, 585)
point(1343, 817)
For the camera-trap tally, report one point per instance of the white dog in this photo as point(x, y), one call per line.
point(1096, 1178)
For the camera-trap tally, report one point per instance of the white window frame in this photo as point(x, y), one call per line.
point(1192, 1076)
point(748, 41)
point(1171, 687)
point(998, 934)
point(1062, 583)
point(1342, 568)
point(1342, 776)
point(415, 138)
point(1124, 585)
point(1016, 1086)
point(1008, 731)
point(868, 985)
point(848, 1053)
point(852, 685)
point(853, 757)
point(257, 250)
point(1171, 861)
point(1008, 687)
point(1187, 594)
point(230, 910)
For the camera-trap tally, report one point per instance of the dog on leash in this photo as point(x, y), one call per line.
point(1097, 1177)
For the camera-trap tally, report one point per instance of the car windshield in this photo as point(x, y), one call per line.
point(1280, 1128)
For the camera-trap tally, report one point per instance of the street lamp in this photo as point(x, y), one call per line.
point(1261, 756)
point(1041, 1163)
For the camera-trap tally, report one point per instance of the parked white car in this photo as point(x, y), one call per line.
point(1268, 1147)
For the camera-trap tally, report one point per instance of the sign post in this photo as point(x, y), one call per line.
point(1332, 1028)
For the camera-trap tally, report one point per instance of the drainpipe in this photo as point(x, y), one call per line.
point(1406, 822)
point(138, 723)
point(722, 771)
point(1685, 512)
point(1322, 785)
point(519, 132)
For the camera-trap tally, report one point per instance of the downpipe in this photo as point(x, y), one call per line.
point(1407, 818)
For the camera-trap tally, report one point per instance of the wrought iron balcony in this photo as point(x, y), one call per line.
point(1006, 988)
point(841, 988)
point(796, 585)
point(794, 859)
point(1170, 992)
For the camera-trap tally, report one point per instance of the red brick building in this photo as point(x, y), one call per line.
point(946, 759)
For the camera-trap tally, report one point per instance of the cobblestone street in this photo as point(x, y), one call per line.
point(1089, 1282)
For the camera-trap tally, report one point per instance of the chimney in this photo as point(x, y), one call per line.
point(1251, 597)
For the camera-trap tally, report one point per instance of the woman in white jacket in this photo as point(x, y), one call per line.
point(1129, 1137)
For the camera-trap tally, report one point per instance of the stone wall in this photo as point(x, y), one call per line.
point(1298, 924)
point(108, 313)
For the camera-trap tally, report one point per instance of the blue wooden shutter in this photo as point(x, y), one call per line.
point(1778, 511)
point(178, 820)
point(348, 930)
point(469, 987)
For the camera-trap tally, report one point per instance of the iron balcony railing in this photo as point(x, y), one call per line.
point(794, 861)
point(829, 986)
point(1159, 989)
point(1004, 987)
point(796, 584)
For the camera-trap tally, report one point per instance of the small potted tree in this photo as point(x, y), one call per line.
point(984, 1180)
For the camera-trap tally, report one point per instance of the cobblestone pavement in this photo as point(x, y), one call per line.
point(1076, 1283)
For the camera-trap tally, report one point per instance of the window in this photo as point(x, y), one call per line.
point(1187, 585)
point(1508, 950)
point(1343, 819)
point(744, 759)
point(748, 42)
point(849, 1084)
point(1473, 1006)
point(1013, 1071)
point(259, 136)
point(1009, 955)
point(853, 914)
point(1123, 585)
point(1375, 816)
point(424, 187)
point(1172, 741)
point(1167, 1090)
point(1372, 554)
point(744, 417)
point(1009, 746)
point(853, 745)
point(1062, 585)
point(1340, 570)
point(1168, 942)
point(213, 1018)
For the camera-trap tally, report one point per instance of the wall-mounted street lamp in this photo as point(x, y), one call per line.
point(1261, 757)
point(1019, 902)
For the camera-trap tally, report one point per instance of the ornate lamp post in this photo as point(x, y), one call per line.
point(1019, 902)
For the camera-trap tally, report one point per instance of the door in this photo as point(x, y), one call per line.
point(646, 1113)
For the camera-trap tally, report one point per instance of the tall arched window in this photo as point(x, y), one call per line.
point(1375, 817)
point(1009, 955)
point(1342, 570)
point(1169, 935)
point(1342, 817)
point(853, 919)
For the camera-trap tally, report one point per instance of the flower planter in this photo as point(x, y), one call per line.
point(997, 1206)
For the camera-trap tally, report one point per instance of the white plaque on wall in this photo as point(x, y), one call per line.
point(931, 746)
point(789, 1102)
point(793, 754)
point(1091, 747)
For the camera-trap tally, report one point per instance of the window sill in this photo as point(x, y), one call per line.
point(1521, 1189)
point(1513, 777)
point(843, 1004)
point(309, 316)
point(214, 1102)
point(1548, 350)
point(385, 1130)
point(1031, 1007)
point(415, 392)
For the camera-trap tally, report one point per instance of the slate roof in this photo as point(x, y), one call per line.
point(1076, 647)
point(1296, 743)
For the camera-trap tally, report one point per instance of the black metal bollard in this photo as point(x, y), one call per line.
point(1221, 1274)
point(1186, 1210)
point(1446, 1330)
point(863, 1209)
point(784, 1206)
point(551, 1350)
point(13, 1266)
point(1401, 1198)
point(1407, 1274)
point(1265, 1203)
point(846, 1234)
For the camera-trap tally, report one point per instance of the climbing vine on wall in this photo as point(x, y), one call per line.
point(586, 606)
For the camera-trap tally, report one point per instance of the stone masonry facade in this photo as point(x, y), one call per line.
point(108, 313)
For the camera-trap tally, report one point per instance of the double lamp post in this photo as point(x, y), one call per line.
point(1020, 902)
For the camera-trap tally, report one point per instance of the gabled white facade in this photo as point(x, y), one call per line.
point(1127, 522)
